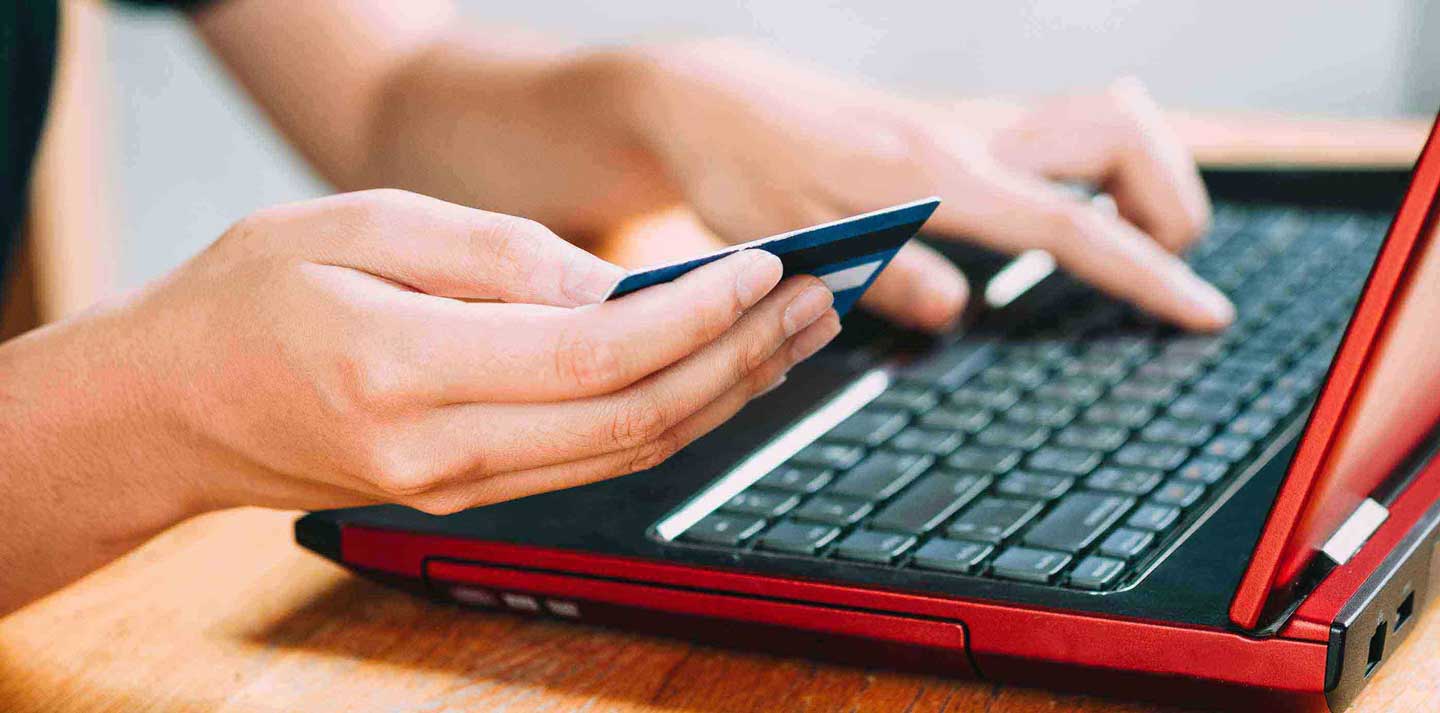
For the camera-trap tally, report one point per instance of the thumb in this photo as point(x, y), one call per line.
point(450, 250)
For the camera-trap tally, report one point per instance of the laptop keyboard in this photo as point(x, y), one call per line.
point(1071, 452)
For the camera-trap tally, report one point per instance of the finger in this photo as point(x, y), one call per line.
point(1121, 141)
point(450, 250)
point(920, 288)
point(1014, 212)
point(495, 438)
point(466, 353)
point(474, 492)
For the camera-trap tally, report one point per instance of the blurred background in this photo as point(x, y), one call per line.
point(188, 155)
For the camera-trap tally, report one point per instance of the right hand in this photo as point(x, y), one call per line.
point(387, 347)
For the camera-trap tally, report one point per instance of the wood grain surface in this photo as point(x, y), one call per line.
point(224, 613)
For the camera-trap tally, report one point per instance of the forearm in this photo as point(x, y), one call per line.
point(519, 126)
point(85, 474)
point(391, 94)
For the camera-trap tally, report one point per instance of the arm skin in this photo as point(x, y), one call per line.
point(398, 94)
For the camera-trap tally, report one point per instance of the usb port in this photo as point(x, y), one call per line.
point(1377, 649)
point(1403, 612)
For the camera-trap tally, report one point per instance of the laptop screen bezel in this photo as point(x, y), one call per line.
point(1282, 542)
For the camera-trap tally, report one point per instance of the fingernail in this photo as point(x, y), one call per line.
point(773, 386)
point(757, 277)
point(1211, 302)
point(813, 340)
point(590, 281)
point(943, 297)
point(805, 308)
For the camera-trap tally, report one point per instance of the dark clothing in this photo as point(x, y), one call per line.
point(28, 31)
point(27, 64)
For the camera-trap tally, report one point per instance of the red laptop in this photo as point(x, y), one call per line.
point(1067, 494)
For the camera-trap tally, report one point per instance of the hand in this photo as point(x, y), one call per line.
point(386, 347)
point(758, 146)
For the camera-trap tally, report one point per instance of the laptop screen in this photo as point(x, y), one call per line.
point(1381, 398)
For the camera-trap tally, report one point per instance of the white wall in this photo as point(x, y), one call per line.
point(190, 156)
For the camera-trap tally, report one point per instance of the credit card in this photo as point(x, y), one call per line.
point(847, 255)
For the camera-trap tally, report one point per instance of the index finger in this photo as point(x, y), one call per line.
point(1014, 212)
point(517, 353)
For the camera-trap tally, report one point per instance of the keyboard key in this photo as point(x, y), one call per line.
point(1276, 403)
point(1147, 391)
point(926, 440)
point(881, 474)
point(1101, 369)
point(835, 456)
point(1023, 375)
point(993, 519)
point(868, 427)
point(1181, 494)
point(1043, 413)
point(1126, 543)
point(1029, 565)
point(796, 479)
point(1185, 433)
point(988, 396)
point(1129, 481)
point(1154, 456)
point(914, 398)
point(1072, 391)
point(1013, 435)
point(953, 367)
point(1092, 436)
point(1204, 347)
point(872, 546)
point(985, 459)
point(1253, 424)
point(1039, 486)
point(1228, 447)
point(1152, 517)
point(762, 503)
point(1208, 407)
point(1096, 572)
point(1070, 461)
point(833, 510)
point(1077, 521)
point(723, 529)
point(1127, 414)
point(930, 502)
point(798, 538)
point(1172, 368)
point(1204, 470)
point(957, 418)
point(1229, 383)
point(952, 555)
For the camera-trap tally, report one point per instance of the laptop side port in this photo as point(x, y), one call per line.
point(1377, 648)
point(1403, 612)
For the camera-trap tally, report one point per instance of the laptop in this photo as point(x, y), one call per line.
point(1066, 493)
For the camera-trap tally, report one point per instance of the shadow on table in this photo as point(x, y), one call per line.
point(366, 637)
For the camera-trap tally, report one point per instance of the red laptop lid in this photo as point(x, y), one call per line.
point(1381, 397)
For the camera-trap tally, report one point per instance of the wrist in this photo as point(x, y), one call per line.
point(90, 433)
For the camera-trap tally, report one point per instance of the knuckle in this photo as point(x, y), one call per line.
point(437, 504)
point(637, 423)
point(364, 386)
point(589, 363)
point(396, 471)
point(653, 453)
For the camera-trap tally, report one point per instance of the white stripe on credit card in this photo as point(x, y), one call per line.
point(850, 277)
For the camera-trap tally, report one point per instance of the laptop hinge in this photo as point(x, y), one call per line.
point(1355, 531)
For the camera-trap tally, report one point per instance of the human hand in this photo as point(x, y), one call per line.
point(759, 146)
point(337, 352)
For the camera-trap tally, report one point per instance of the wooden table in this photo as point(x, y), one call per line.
point(225, 613)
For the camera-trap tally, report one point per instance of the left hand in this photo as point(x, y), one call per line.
point(758, 146)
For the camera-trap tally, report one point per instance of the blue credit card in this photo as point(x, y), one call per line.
point(847, 254)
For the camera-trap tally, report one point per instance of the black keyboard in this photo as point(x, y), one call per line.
point(1072, 451)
